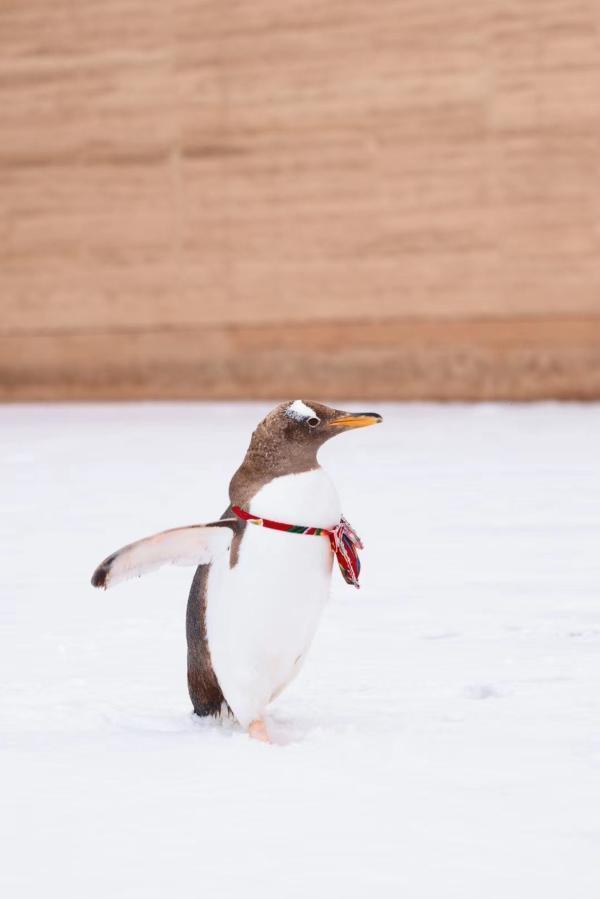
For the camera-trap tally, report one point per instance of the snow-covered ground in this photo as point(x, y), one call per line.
point(443, 739)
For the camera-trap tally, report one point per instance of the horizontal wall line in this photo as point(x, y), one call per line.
point(410, 359)
point(422, 323)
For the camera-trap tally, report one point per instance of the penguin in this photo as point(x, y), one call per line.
point(263, 569)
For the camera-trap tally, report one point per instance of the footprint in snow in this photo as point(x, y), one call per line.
point(484, 691)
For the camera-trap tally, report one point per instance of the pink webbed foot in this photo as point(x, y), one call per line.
point(258, 731)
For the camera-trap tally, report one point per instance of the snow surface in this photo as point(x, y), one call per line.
point(443, 738)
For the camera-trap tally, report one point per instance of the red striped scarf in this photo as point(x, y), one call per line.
point(343, 539)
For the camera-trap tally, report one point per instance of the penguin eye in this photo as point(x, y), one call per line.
point(313, 422)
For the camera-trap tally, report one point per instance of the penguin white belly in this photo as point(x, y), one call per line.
point(261, 615)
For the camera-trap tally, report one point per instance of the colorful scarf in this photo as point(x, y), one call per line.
point(343, 539)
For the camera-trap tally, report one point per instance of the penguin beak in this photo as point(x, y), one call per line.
point(355, 420)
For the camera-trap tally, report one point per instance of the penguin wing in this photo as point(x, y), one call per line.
point(196, 544)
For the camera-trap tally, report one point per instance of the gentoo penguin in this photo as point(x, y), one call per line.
point(264, 568)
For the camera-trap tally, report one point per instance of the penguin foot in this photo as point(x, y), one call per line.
point(258, 731)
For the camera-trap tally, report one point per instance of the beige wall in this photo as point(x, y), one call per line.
point(390, 199)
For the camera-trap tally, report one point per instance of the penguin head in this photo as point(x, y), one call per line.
point(297, 428)
point(287, 441)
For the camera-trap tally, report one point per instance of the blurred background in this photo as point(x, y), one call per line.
point(396, 200)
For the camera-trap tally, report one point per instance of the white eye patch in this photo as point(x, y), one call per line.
point(299, 411)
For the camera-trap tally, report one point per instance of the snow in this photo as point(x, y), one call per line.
point(443, 738)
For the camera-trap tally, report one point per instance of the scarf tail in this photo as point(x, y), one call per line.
point(345, 543)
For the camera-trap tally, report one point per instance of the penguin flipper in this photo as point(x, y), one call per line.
point(196, 544)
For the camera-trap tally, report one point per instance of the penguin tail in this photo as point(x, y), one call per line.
point(196, 544)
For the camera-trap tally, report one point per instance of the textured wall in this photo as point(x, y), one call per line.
point(395, 199)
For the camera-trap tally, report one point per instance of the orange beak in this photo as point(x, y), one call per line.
point(355, 420)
